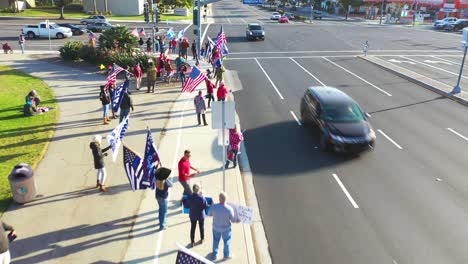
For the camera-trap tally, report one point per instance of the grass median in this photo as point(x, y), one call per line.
point(55, 14)
point(22, 139)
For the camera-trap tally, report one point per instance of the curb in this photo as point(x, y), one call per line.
point(427, 83)
point(259, 239)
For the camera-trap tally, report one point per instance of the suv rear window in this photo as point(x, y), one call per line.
point(255, 27)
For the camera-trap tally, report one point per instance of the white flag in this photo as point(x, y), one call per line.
point(115, 138)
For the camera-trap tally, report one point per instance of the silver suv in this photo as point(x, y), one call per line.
point(93, 20)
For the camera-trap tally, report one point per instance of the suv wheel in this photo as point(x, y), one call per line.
point(60, 36)
point(31, 35)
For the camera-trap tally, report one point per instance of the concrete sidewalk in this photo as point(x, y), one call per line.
point(71, 222)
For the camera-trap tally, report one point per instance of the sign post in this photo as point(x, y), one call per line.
point(457, 88)
point(48, 29)
point(223, 117)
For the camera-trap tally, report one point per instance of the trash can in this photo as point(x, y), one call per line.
point(22, 183)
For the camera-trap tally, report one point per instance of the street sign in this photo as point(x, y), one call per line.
point(448, 10)
point(217, 115)
point(252, 2)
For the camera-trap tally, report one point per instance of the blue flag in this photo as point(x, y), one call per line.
point(149, 162)
point(118, 95)
point(170, 34)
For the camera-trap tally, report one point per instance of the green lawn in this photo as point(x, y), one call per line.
point(22, 139)
point(55, 13)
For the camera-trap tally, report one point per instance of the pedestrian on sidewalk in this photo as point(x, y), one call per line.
point(125, 106)
point(235, 139)
point(194, 50)
point(209, 91)
point(157, 47)
point(223, 216)
point(174, 45)
point(149, 45)
point(184, 172)
point(197, 205)
point(200, 107)
point(141, 42)
point(5, 239)
point(104, 97)
point(138, 74)
point(219, 73)
point(161, 44)
point(179, 61)
point(98, 156)
point(161, 60)
point(111, 88)
point(182, 73)
point(151, 77)
point(22, 42)
point(185, 45)
point(162, 194)
point(222, 92)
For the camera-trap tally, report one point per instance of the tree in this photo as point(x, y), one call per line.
point(176, 3)
point(61, 4)
point(353, 3)
point(119, 39)
point(95, 7)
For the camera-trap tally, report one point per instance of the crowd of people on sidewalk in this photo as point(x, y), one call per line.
point(198, 205)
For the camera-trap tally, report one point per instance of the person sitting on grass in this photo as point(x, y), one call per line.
point(30, 109)
point(34, 97)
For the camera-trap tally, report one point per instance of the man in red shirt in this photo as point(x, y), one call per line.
point(222, 92)
point(184, 172)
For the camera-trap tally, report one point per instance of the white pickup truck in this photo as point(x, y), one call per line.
point(41, 31)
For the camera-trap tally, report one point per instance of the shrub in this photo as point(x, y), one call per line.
point(88, 54)
point(119, 39)
point(70, 51)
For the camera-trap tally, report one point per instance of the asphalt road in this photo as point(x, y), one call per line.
point(406, 199)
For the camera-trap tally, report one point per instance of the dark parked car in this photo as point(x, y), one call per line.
point(289, 16)
point(99, 27)
point(317, 14)
point(342, 125)
point(459, 25)
point(255, 31)
point(75, 29)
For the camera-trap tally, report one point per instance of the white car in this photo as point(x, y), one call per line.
point(41, 31)
point(444, 23)
point(275, 16)
point(93, 20)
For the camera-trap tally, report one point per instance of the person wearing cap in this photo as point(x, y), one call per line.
point(197, 205)
point(98, 156)
point(222, 92)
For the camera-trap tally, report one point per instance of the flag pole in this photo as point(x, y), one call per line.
point(224, 147)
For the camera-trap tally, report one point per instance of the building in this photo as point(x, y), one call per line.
point(117, 7)
point(26, 3)
point(454, 8)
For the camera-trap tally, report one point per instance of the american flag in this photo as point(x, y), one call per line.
point(112, 76)
point(133, 168)
point(185, 256)
point(221, 40)
point(142, 32)
point(195, 78)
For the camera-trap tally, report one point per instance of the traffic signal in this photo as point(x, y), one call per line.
point(146, 12)
point(195, 17)
point(158, 15)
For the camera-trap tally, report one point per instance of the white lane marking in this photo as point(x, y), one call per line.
point(313, 76)
point(389, 139)
point(394, 262)
point(458, 134)
point(295, 118)
point(185, 29)
point(174, 163)
point(268, 77)
point(244, 21)
point(334, 51)
point(229, 20)
point(432, 66)
point(328, 56)
point(355, 75)
point(449, 61)
point(350, 198)
point(401, 61)
point(206, 31)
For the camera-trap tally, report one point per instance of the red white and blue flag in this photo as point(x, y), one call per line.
point(185, 256)
point(142, 32)
point(195, 78)
point(150, 161)
point(221, 43)
point(118, 96)
point(133, 167)
point(112, 76)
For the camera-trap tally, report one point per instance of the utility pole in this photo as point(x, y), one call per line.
point(153, 27)
point(199, 28)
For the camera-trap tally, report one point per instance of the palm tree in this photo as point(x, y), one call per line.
point(118, 38)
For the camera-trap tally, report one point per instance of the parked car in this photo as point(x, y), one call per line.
point(289, 16)
point(41, 31)
point(342, 125)
point(283, 19)
point(275, 16)
point(93, 19)
point(255, 31)
point(460, 24)
point(317, 14)
point(75, 29)
point(99, 27)
point(444, 23)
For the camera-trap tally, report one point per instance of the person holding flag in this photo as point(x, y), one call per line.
point(104, 97)
point(98, 156)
